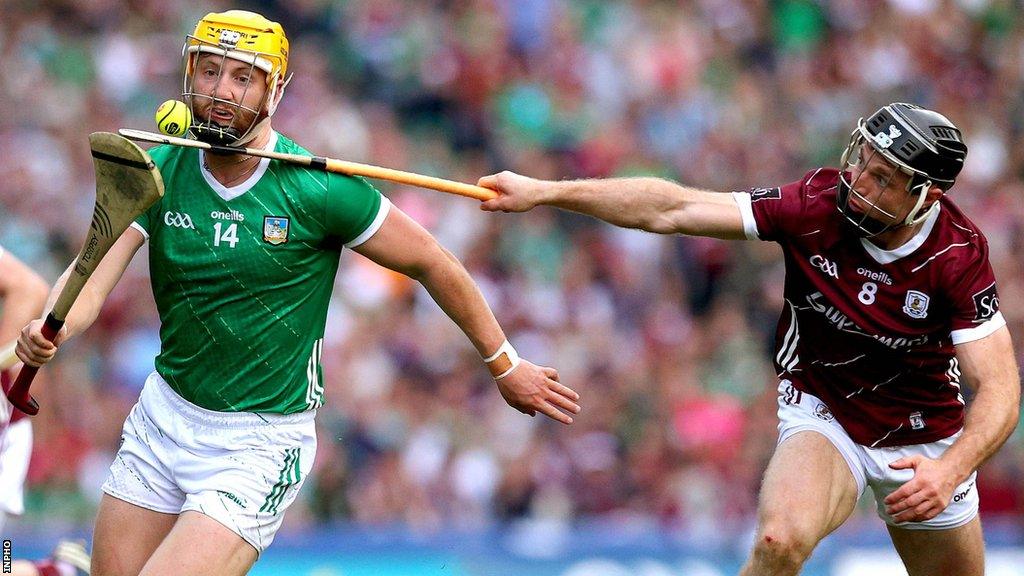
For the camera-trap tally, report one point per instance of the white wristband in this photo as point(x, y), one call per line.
point(510, 352)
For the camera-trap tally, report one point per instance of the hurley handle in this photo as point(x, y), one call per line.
point(18, 396)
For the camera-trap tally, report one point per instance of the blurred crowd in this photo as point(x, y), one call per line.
point(668, 339)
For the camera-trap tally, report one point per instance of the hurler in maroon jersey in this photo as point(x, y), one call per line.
point(890, 308)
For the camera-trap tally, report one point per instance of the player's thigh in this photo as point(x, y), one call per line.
point(126, 536)
point(959, 551)
point(199, 544)
point(808, 490)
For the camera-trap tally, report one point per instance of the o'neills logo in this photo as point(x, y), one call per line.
point(232, 215)
point(876, 276)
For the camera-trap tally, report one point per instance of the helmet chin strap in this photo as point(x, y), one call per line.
point(916, 215)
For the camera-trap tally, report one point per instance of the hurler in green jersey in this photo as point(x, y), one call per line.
point(242, 257)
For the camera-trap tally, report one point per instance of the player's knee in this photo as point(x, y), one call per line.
point(783, 547)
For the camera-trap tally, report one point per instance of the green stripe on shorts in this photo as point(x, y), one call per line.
point(289, 476)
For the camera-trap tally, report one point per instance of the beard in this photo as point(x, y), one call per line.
point(221, 123)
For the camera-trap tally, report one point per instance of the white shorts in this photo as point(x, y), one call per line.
point(241, 469)
point(800, 411)
point(15, 452)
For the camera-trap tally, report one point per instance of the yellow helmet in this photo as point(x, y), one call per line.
point(250, 38)
point(245, 36)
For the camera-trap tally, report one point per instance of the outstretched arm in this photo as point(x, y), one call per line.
point(404, 246)
point(650, 204)
point(988, 365)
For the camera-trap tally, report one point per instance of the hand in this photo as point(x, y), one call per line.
point(515, 193)
point(33, 348)
point(925, 495)
point(531, 389)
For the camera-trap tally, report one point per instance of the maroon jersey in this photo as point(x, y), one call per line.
point(869, 331)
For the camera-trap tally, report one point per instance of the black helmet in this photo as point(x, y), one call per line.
point(921, 143)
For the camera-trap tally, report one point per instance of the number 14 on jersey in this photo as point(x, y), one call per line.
point(227, 235)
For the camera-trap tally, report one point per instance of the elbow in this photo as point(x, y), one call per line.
point(660, 223)
point(436, 262)
point(667, 216)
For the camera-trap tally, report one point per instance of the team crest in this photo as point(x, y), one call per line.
point(823, 413)
point(916, 304)
point(917, 421)
point(275, 229)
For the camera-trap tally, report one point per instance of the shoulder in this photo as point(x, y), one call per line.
point(289, 146)
point(327, 181)
point(814, 192)
point(956, 239)
point(821, 179)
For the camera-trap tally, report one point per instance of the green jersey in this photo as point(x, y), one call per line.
point(242, 276)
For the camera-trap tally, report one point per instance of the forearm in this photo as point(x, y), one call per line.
point(991, 419)
point(87, 305)
point(454, 291)
point(988, 365)
point(643, 203)
point(85, 309)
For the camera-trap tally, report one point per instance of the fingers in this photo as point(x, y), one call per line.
point(904, 491)
point(488, 182)
point(551, 412)
point(565, 400)
point(914, 503)
point(558, 401)
point(903, 504)
point(490, 205)
point(491, 182)
point(924, 511)
point(904, 463)
point(564, 391)
point(531, 389)
point(33, 348)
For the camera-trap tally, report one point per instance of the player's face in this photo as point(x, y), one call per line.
point(228, 92)
point(880, 189)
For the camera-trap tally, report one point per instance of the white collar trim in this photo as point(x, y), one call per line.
point(244, 186)
point(887, 256)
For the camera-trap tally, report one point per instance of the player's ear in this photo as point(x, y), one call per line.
point(934, 193)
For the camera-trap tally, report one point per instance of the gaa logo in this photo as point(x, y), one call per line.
point(825, 265)
point(178, 220)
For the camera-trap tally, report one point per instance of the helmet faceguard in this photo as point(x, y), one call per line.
point(246, 37)
point(922, 144)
